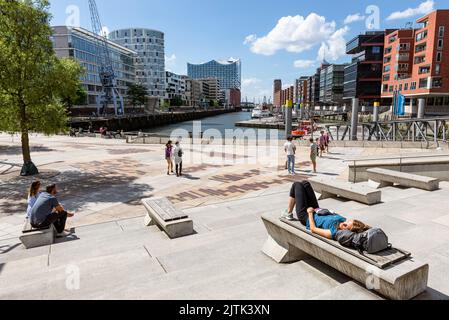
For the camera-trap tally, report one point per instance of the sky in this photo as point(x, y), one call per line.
point(275, 39)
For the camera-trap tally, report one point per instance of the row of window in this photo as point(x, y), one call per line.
point(423, 84)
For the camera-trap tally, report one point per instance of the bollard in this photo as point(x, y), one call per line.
point(354, 119)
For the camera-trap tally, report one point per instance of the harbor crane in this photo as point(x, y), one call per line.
point(109, 93)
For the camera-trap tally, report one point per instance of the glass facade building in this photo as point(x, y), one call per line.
point(150, 61)
point(229, 73)
point(82, 45)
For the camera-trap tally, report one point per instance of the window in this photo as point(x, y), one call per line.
point(439, 56)
point(437, 82)
point(387, 69)
point(400, 87)
point(391, 89)
point(413, 86)
point(387, 60)
point(440, 44)
point(421, 36)
point(423, 83)
point(386, 77)
point(441, 32)
point(404, 46)
point(376, 50)
point(437, 69)
point(406, 87)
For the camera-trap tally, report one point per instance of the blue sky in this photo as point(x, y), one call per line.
point(274, 38)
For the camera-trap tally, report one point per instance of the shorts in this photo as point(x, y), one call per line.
point(313, 158)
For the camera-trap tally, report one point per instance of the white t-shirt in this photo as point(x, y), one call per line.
point(290, 148)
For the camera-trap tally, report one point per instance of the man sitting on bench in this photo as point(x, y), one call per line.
point(319, 221)
point(48, 211)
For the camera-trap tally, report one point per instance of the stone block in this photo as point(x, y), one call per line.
point(386, 178)
point(38, 238)
point(402, 281)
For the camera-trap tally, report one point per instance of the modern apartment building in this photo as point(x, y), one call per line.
point(150, 61)
point(229, 73)
point(212, 89)
point(194, 92)
point(175, 86)
point(287, 94)
point(301, 91)
point(277, 88)
point(332, 84)
point(363, 76)
point(416, 64)
point(82, 45)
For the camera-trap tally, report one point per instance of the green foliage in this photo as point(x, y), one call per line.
point(176, 102)
point(33, 81)
point(137, 94)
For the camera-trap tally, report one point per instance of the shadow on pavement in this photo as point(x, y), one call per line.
point(16, 150)
point(76, 189)
point(8, 248)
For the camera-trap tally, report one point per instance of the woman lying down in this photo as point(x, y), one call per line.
point(319, 221)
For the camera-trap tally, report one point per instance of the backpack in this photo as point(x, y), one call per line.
point(180, 153)
point(372, 241)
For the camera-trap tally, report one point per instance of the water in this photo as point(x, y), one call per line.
point(221, 123)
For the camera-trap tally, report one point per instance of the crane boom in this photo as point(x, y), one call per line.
point(110, 93)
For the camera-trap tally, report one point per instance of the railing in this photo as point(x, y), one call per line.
point(400, 158)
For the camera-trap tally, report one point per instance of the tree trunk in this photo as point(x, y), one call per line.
point(28, 168)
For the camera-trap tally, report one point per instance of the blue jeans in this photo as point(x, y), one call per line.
point(291, 164)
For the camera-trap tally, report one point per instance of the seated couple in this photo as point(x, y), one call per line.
point(45, 210)
point(319, 221)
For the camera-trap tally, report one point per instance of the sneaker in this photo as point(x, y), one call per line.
point(287, 216)
point(63, 234)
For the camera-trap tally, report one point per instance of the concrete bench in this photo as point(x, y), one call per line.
point(381, 178)
point(403, 280)
point(334, 188)
point(33, 238)
point(162, 213)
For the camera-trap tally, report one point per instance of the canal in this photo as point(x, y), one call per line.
point(220, 123)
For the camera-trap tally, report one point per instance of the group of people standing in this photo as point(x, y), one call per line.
point(317, 148)
point(173, 155)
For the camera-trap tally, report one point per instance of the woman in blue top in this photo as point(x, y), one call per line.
point(33, 194)
point(318, 221)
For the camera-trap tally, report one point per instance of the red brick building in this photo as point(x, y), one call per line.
point(277, 92)
point(416, 63)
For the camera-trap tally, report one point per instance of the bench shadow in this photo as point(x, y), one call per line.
point(8, 248)
point(432, 294)
point(327, 270)
point(16, 150)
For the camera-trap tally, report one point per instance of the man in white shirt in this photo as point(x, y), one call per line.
point(290, 150)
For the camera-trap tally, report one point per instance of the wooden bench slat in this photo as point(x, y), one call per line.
point(165, 209)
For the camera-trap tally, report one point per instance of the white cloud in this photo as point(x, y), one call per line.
point(334, 47)
point(303, 64)
point(250, 82)
point(293, 34)
point(354, 18)
point(422, 9)
point(170, 59)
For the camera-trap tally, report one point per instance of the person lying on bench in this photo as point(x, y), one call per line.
point(48, 211)
point(319, 221)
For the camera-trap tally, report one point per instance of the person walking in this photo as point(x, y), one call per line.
point(178, 154)
point(169, 157)
point(322, 144)
point(327, 140)
point(313, 153)
point(290, 150)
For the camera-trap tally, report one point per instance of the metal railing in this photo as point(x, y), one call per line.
point(400, 158)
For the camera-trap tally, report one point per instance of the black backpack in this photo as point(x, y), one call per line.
point(372, 241)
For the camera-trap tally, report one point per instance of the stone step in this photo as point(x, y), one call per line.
point(348, 291)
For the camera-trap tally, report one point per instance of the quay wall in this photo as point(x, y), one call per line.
point(141, 122)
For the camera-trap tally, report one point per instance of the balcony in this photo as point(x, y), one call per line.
point(420, 59)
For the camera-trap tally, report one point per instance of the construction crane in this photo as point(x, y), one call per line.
point(109, 92)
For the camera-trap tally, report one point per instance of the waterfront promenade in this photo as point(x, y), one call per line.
point(103, 181)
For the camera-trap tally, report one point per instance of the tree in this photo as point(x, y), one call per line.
point(137, 94)
point(33, 81)
point(176, 101)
